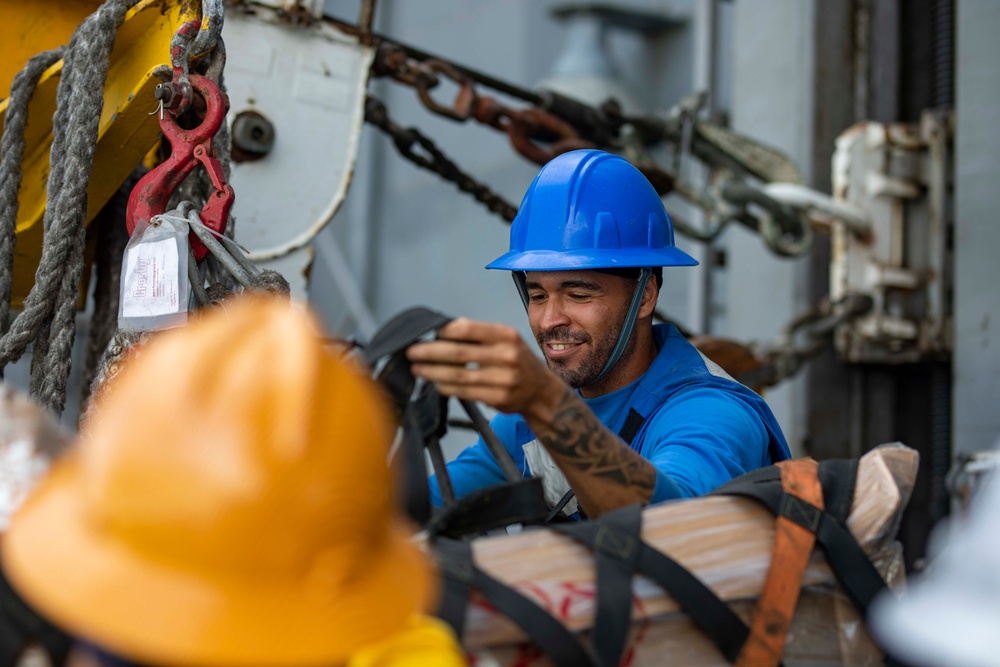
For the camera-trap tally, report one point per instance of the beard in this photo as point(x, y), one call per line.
point(586, 370)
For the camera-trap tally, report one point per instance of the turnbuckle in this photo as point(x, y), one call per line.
point(188, 148)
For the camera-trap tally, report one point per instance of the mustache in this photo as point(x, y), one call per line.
point(561, 336)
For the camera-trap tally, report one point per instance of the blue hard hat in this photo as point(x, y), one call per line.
point(590, 209)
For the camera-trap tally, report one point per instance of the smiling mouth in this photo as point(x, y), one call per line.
point(557, 352)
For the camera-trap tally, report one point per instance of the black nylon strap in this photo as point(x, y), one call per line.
point(390, 343)
point(492, 507)
point(402, 331)
point(719, 623)
point(424, 421)
point(454, 559)
point(838, 478)
point(412, 473)
point(800, 511)
point(461, 574)
point(492, 442)
point(850, 564)
point(762, 484)
point(547, 633)
point(558, 507)
point(613, 539)
point(422, 418)
point(853, 568)
point(615, 555)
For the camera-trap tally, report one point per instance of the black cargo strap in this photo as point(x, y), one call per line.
point(461, 576)
point(558, 507)
point(402, 331)
point(390, 342)
point(412, 471)
point(20, 626)
point(620, 553)
point(850, 564)
point(423, 416)
point(613, 539)
point(492, 507)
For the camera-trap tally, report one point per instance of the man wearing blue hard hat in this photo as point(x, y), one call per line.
point(623, 411)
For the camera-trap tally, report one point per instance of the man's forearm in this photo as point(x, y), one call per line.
point(604, 472)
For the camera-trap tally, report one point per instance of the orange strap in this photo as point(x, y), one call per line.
point(793, 545)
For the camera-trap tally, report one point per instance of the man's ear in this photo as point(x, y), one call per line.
point(649, 297)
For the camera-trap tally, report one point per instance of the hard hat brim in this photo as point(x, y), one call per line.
point(148, 611)
point(583, 260)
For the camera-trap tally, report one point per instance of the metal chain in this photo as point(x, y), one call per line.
point(213, 15)
point(781, 211)
point(408, 140)
point(602, 125)
point(535, 133)
point(557, 124)
point(192, 40)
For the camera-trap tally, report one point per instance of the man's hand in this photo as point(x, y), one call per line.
point(490, 363)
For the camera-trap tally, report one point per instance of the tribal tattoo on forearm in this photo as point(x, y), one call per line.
point(579, 439)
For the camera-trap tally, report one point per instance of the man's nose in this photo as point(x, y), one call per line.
point(552, 315)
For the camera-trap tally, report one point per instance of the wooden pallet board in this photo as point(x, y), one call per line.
point(726, 542)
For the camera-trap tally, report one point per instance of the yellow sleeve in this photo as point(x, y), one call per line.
point(426, 642)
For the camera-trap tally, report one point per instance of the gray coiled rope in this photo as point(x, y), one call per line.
point(11, 155)
point(48, 318)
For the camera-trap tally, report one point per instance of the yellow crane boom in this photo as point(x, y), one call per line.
point(127, 130)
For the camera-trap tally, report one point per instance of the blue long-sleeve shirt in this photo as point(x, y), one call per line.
point(699, 427)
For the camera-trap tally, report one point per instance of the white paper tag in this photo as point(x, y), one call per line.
point(151, 280)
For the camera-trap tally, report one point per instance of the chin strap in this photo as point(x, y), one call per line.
point(626, 333)
point(520, 279)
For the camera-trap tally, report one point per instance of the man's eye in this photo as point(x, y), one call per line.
point(579, 297)
point(536, 298)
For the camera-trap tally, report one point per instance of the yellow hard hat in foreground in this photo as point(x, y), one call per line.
point(230, 504)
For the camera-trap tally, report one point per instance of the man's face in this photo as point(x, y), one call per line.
point(576, 317)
